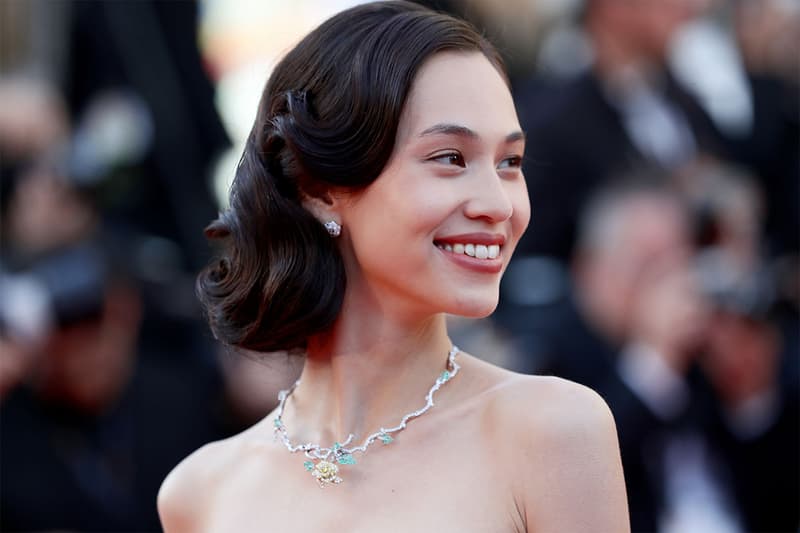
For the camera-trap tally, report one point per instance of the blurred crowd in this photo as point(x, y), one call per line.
point(661, 264)
point(108, 375)
point(660, 268)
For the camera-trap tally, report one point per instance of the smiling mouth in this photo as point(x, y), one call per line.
point(478, 251)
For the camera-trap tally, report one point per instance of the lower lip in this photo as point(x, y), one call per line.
point(484, 266)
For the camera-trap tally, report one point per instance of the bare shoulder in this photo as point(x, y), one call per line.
point(562, 455)
point(540, 409)
point(555, 408)
point(188, 490)
point(558, 405)
point(189, 486)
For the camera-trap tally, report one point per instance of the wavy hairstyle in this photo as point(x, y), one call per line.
point(328, 116)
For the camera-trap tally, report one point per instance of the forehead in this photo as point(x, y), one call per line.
point(461, 88)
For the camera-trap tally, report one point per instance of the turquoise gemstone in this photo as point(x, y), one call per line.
point(277, 422)
point(346, 459)
point(309, 465)
point(336, 446)
point(386, 439)
point(445, 375)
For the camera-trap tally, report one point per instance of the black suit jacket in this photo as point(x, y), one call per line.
point(575, 143)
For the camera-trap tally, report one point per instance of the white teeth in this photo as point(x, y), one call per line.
point(479, 251)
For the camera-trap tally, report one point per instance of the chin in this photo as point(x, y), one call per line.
point(474, 308)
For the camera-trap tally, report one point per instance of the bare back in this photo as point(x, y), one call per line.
point(487, 458)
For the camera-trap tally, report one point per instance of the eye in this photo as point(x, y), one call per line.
point(449, 158)
point(514, 161)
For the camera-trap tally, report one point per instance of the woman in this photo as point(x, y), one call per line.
point(386, 152)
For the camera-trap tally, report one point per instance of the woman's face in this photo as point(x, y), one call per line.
point(437, 228)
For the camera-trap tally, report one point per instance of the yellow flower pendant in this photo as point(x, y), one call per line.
point(325, 472)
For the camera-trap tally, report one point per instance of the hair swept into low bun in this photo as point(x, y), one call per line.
point(328, 116)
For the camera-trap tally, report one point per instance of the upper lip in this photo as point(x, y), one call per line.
point(473, 238)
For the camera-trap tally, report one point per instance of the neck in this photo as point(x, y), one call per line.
point(367, 372)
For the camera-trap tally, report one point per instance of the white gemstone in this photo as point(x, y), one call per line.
point(494, 251)
point(481, 251)
point(469, 249)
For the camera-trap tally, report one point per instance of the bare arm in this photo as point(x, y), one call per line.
point(569, 466)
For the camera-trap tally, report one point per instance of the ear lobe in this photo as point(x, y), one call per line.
point(323, 209)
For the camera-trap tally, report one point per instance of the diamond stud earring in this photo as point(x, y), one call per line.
point(333, 228)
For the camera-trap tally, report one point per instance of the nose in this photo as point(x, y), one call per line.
point(489, 199)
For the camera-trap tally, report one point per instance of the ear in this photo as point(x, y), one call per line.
point(323, 206)
point(328, 205)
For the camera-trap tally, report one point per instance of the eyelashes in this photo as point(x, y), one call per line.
point(455, 157)
point(514, 161)
point(449, 158)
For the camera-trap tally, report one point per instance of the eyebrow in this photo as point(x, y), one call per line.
point(463, 131)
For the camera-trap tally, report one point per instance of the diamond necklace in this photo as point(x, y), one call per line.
point(322, 461)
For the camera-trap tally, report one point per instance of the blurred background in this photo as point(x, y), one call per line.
point(660, 268)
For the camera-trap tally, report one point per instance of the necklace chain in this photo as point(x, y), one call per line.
point(322, 464)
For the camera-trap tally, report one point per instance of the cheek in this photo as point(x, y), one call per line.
point(521, 216)
point(411, 206)
point(397, 229)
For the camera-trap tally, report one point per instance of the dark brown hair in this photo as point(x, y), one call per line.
point(328, 116)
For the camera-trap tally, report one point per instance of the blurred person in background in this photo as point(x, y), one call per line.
point(740, 61)
point(107, 129)
point(637, 307)
point(751, 356)
point(622, 111)
point(628, 111)
point(85, 415)
point(701, 379)
point(136, 104)
point(768, 35)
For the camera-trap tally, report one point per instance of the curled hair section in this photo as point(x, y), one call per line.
point(279, 277)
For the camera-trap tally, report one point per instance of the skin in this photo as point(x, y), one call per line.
point(499, 451)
